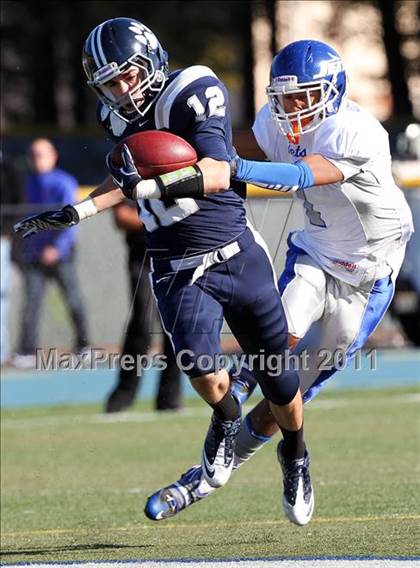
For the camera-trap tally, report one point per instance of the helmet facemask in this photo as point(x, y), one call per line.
point(314, 113)
point(127, 107)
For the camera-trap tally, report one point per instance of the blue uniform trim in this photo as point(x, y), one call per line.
point(275, 175)
point(289, 270)
point(379, 299)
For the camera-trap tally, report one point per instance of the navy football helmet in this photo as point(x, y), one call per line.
point(312, 69)
point(116, 46)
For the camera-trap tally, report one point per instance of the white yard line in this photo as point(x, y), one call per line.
point(257, 563)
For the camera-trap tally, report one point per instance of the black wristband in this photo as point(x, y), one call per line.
point(186, 182)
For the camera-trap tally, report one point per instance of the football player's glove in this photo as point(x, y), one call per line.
point(125, 176)
point(61, 219)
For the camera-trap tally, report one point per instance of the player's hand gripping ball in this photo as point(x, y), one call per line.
point(145, 155)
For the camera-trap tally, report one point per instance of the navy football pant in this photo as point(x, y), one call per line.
point(244, 291)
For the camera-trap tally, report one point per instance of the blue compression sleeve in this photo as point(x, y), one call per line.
point(275, 175)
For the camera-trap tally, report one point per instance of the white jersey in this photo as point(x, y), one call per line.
point(353, 227)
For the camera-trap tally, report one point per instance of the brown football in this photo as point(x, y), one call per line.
point(156, 152)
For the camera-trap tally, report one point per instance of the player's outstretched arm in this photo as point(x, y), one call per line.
point(310, 171)
point(106, 195)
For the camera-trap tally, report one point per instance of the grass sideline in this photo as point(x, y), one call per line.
point(74, 483)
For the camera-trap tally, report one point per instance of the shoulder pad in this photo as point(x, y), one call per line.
point(182, 80)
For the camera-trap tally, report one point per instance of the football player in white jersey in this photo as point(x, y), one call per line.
point(341, 268)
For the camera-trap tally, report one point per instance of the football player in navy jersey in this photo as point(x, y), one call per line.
point(207, 261)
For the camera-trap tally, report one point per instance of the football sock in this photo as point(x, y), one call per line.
point(247, 443)
point(293, 445)
point(228, 408)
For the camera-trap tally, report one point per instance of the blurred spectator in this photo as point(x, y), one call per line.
point(11, 197)
point(50, 254)
point(137, 334)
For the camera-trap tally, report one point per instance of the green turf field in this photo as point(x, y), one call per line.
point(74, 483)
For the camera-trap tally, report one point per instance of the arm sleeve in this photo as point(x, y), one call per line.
point(275, 175)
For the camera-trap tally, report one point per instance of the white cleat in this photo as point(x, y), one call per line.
point(298, 495)
point(217, 460)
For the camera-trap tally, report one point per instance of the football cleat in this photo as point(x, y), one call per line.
point(217, 459)
point(192, 486)
point(169, 501)
point(298, 495)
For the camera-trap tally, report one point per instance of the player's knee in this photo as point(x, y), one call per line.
point(211, 386)
point(280, 390)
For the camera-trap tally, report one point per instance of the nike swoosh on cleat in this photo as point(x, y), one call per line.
point(210, 469)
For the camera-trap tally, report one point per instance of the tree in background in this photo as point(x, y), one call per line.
point(43, 80)
point(42, 77)
point(400, 30)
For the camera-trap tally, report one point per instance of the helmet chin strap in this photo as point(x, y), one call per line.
point(293, 137)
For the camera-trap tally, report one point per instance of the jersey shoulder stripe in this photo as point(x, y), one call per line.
point(166, 100)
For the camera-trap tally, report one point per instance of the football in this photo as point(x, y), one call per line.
point(156, 152)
